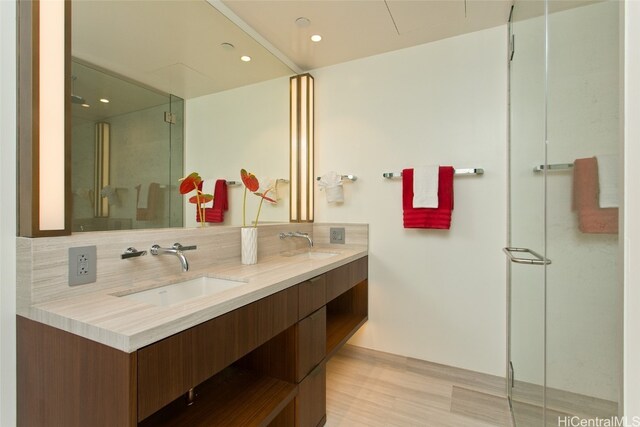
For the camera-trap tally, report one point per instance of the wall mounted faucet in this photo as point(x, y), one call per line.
point(177, 249)
point(297, 234)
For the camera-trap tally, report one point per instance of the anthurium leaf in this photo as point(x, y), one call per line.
point(264, 196)
point(201, 198)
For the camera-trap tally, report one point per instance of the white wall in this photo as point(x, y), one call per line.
point(245, 128)
point(8, 213)
point(632, 212)
point(434, 295)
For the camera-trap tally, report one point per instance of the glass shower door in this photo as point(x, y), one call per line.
point(565, 318)
point(527, 214)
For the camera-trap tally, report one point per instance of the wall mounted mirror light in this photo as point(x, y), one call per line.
point(88, 188)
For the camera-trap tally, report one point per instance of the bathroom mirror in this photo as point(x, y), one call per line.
point(164, 92)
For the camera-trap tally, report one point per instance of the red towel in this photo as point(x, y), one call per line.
point(439, 217)
point(591, 217)
point(220, 203)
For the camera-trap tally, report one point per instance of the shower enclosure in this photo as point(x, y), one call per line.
point(126, 152)
point(565, 286)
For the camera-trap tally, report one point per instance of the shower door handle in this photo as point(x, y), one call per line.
point(538, 260)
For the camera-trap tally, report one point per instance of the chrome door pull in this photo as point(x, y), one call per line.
point(539, 259)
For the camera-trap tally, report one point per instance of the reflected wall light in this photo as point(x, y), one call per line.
point(44, 101)
point(301, 149)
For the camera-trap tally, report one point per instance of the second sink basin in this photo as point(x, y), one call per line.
point(176, 293)
point(311, 255)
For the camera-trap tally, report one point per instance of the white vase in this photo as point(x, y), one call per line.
point(249, 245)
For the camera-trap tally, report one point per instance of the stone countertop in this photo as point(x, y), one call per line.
point(128, 325)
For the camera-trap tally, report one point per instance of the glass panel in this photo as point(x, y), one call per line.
point(117, 127)
point(583, 287)
point(527, 292)
point(176, 202)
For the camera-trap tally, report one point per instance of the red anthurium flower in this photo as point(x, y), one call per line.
point(190, 183)
point(201, 198)
point(249, 180)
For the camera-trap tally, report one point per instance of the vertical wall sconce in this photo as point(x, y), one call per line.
point(102, 169)
point(44, 115)
point(301, 149)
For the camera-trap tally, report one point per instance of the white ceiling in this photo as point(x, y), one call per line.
point(352, 29)
point(171, 45)
point(175, 45)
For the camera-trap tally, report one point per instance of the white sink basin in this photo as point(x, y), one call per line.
point(313, 255)
point(176, 293)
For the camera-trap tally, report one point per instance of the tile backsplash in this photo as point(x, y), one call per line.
point(43, 262)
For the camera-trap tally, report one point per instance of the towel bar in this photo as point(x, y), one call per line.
point(538, 260)
point(348, 177)
point(554, 167)
point(234, 183)
point(466, 171)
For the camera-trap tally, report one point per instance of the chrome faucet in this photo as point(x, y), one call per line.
point(176, 250)
point(297, 234)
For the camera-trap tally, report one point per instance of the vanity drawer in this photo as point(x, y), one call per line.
point(311, 295)
point(344, 278)
point(312, 342)
point(311, 402)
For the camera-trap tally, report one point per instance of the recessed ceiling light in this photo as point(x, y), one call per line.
point(316, 38)
point(86, 105)
point(104, 100)
point(227, 46)
point(245, 58)
point(303, 22)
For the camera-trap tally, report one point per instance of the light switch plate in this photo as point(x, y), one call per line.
point(82, 265)
point(337, 235)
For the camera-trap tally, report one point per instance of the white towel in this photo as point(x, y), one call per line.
point(608, 180)
point(208, 186)
point(425, 186)
point(331, 183)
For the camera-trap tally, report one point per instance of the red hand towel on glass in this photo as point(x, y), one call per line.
point(440, 217)
point(591, 217)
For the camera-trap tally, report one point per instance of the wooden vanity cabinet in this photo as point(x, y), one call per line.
point(169, 368)
point(262, 364)
point(346, 302)
point(312, 333)
point(311, 403)
point(312, 294)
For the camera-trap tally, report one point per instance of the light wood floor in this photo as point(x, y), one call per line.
point(369, 388)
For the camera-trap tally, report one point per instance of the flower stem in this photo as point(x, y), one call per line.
point(199, 207)
point(259, 207)
point(244, 206)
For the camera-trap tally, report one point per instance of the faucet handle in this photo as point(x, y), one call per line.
point(132, 252)
point(179, 247)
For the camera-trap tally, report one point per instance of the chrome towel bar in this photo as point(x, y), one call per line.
point(554, 167)
point(465, 171)
point(347, 177)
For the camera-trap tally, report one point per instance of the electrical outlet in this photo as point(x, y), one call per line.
point(337, 235)
point(82, 265)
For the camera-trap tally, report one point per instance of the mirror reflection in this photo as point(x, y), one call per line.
point(123, 137)
point(164, 95)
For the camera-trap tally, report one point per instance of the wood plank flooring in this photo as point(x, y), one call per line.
point(370, 388)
